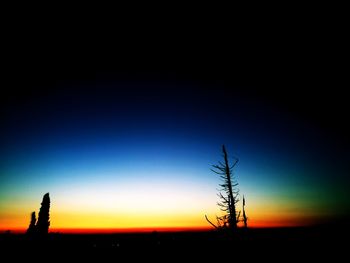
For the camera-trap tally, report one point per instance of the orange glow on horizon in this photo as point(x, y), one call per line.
point(137, 230)
point(70, 222)
point(149, 229)
point(137, 210)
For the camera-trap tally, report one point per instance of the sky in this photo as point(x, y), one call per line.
point(125, 154)
point(121, 126)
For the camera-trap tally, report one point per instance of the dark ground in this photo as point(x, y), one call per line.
point(280, 243)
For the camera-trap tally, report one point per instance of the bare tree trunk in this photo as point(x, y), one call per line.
point(232, 209)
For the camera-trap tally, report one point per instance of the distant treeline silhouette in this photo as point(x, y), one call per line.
point(41, 227)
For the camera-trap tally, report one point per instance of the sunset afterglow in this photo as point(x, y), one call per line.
point(128, 157)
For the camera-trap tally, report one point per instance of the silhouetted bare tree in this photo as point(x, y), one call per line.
point(228, 194)
point(31, 229)
point(43, 223)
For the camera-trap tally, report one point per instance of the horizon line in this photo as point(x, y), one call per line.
point(135, 229)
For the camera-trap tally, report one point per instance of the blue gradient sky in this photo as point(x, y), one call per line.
point(107, 150)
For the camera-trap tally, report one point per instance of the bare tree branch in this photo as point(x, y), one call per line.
point(210, 222)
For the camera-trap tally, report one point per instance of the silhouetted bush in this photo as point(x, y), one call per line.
point(32, 229)
point(43, 223)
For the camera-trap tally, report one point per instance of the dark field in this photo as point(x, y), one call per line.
point(279, 243)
